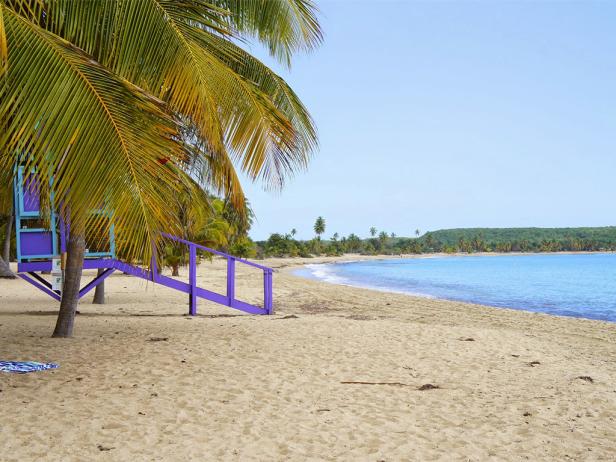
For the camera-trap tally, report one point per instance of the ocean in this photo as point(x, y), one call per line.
point(578, 285)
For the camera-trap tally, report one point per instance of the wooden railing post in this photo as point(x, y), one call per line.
point(268, 293)
point(192, 280)
point(154, 265)
point(230, 280)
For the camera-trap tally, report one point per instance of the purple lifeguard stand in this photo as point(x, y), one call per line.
point(38, 245)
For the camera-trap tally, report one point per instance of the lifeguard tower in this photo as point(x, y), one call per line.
point(41, 242)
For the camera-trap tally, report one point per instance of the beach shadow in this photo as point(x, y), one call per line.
point(29, 313)
point(119, 315)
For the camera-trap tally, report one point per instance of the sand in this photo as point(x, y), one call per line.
point(225, 386)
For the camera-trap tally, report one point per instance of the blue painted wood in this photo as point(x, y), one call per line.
point(230, 280)
point(247, 307)
point(212, 296)
point(36, 247)
point(41, 279)
point(192, 280)
point(39, 286)
point(96, 281)
point(27, 207)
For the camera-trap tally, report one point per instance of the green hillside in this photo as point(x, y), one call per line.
point(522, 239)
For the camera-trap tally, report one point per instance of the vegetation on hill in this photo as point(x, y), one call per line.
point(464, 240)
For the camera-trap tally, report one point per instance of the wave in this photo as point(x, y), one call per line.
point(326, 272)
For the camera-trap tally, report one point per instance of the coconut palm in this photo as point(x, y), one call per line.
point(5, 270)
point(383, 236)
point(372, 231)
point(417, 232)
point(6, 203)
point(319, 227)
point(126, 104)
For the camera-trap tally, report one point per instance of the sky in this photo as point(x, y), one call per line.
point(437, 115)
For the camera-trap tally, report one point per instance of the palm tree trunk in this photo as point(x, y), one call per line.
point(5, 270)
point(6, 251)
point(99, 292)
point(72, 281)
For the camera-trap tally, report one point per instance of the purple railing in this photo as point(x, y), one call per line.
point(194, 292)
point(229, 298)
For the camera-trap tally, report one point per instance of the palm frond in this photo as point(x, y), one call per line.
point(126, 38)
point(6, 197)
point(284, 26)
point(3, 45)
point(100, 137)
point(66, 100)
point(285, 153)
point(236, 102)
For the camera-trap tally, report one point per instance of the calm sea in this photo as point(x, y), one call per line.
point(580, 285)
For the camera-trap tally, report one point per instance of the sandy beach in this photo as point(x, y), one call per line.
point(337, 374)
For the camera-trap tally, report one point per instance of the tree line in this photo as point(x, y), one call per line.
point(462, 240)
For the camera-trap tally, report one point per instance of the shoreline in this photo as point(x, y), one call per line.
point(291, 262)
point(354, 258)
point(335, 375)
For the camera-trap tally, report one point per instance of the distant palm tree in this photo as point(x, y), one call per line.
point(293, 232)
point(373, 231)
point(393, 235)
point(319, 227)
point(383, 236)
point(417, 232)
point(335, 237)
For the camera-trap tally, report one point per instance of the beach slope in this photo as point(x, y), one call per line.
point(339, 373)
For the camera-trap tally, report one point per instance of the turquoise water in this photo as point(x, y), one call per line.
point(580, 285)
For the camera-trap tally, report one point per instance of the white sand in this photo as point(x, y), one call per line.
point(269, 388)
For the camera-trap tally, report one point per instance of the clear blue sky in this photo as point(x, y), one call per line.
point(440, 115)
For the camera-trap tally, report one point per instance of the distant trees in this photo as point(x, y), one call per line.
point(218, 226)
point(383, 239)
point(466, 240)
point(353, 243)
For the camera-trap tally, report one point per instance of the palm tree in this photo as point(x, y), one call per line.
point(6, 203)
point(133, 103)
point(417, 232)
point(293, 232)
point(319, 227)
point(8, 231)
point(372, 231)
point(5, 270)
point(383, 238)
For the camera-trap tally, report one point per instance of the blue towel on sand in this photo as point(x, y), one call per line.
point(22, 367)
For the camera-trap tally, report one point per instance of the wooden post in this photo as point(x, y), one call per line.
point(154, 265)
point(268, 295)
point(230, 280)
point(192, 280)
